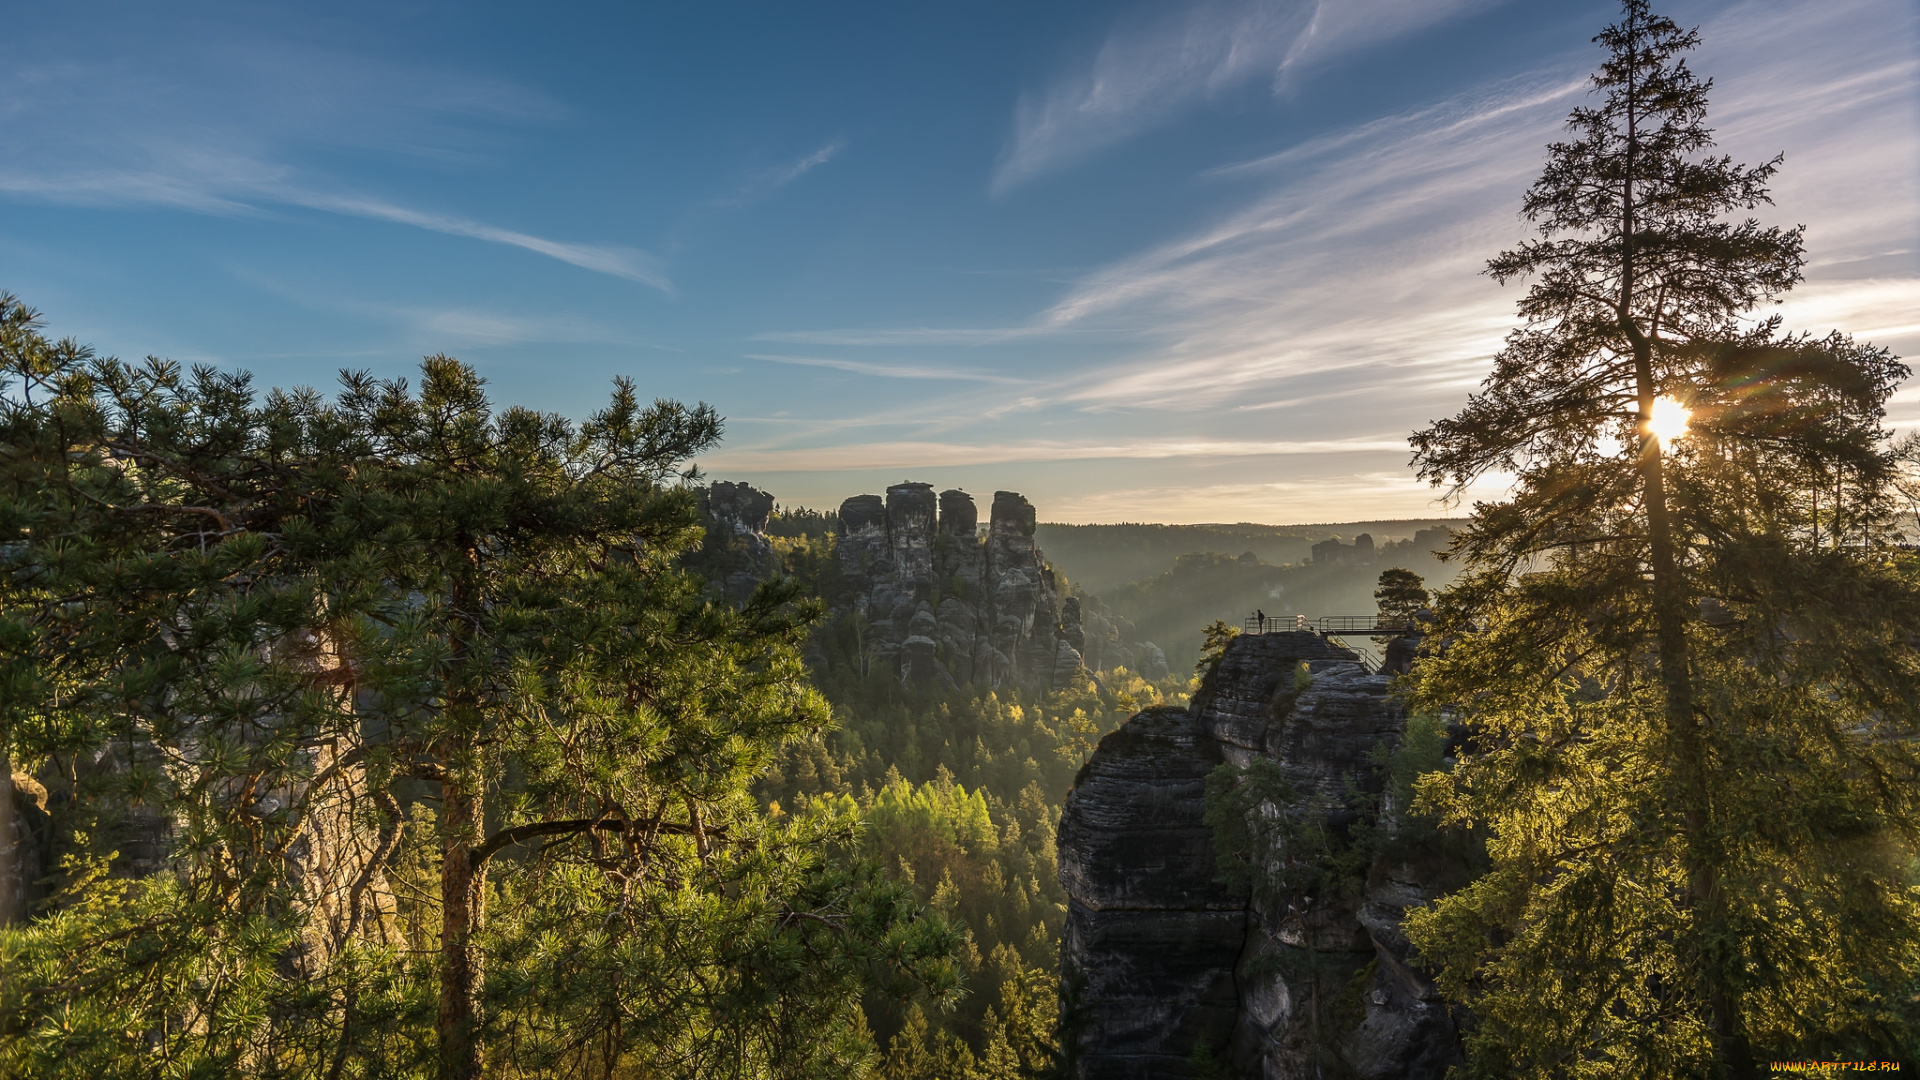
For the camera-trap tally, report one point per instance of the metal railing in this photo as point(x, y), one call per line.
point(1368, 625)
point(1329, 625)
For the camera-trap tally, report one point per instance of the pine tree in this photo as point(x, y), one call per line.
point(267, 625)
point(1400, 593)
point(1680, 651)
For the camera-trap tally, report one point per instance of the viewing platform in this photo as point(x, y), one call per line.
point(1330, 625)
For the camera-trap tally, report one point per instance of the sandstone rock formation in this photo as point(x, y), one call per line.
point(949, 605)
point(737, 556)
point(1151, 939)
point(942, 600)
point(23, 841)
point(333, 863)
point(1164, 967)
point(1331, 550)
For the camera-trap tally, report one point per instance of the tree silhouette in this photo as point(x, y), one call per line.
point(1678, 654)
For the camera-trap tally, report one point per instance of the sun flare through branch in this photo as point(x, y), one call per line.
point(1669, 420)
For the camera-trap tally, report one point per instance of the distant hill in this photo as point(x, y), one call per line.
point(1101, 558)
point(1173, 607)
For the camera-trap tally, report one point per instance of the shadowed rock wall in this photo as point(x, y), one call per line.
point(948, 606)
point(736, 555)
point(1151, 938)
point(1160, 960)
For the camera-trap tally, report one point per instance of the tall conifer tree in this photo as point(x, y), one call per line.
point(259, 626)
point(1682, 654)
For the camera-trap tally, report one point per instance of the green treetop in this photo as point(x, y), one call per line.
point(281, 622)
point(1400, 593)
point(1682, 654)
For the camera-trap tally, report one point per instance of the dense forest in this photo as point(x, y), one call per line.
point(961, 792)
point(384, 734)
point(391, 734)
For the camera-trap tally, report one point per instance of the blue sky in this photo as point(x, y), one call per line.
point(1159, 262)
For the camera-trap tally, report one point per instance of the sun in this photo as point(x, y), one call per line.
point(1669, 420)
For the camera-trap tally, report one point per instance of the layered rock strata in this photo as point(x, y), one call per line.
point(947, 604)
point(953, 605)
point(1164, 968)
point(1151, 940)
point(943, 600)
point(737, 556)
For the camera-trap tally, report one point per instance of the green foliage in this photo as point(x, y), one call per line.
point(1214, 641)
point(1266, 841)
point(1018, 1033)
point(960, 794)
point(1400, 593)
point(1686, 672)
point(270, 633)
point(1294, 853)
point(1277, 845)
point(1208, 1063)
point(798, 522)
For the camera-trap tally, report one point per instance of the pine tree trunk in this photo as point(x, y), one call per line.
point(460, 827)
point(12, 875)
point(1690, 756)
point(1670, 645)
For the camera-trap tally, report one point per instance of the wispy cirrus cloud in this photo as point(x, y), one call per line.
point(1335, 301)
point(889, 371)
point(1363, 496)
point(1158, 64)
point(918, 335)
point(230, 124)
point(765, 182)
point(806, 163)
point(1358, 263)
point(433, 327)
point(1358, 260)
point(624, 262)
point(929, 454)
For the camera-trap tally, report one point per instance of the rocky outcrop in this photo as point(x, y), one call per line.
point(1331, 550)
point(736, 556)
point(1165, 968)
point(955, 606)
point(23, 841)
point(1151, 942)
point(333, 863)
point(947, 605)
point(942, 601)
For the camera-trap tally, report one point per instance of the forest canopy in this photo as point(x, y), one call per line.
point(384, 735)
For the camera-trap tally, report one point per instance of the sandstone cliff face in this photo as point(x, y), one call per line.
point(736, 516)
point(946, 604)
point(333, 863)
point(944, 600)
point(1163, 965)
point(23, 841)
point(1151, 942)
point(953, 606)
